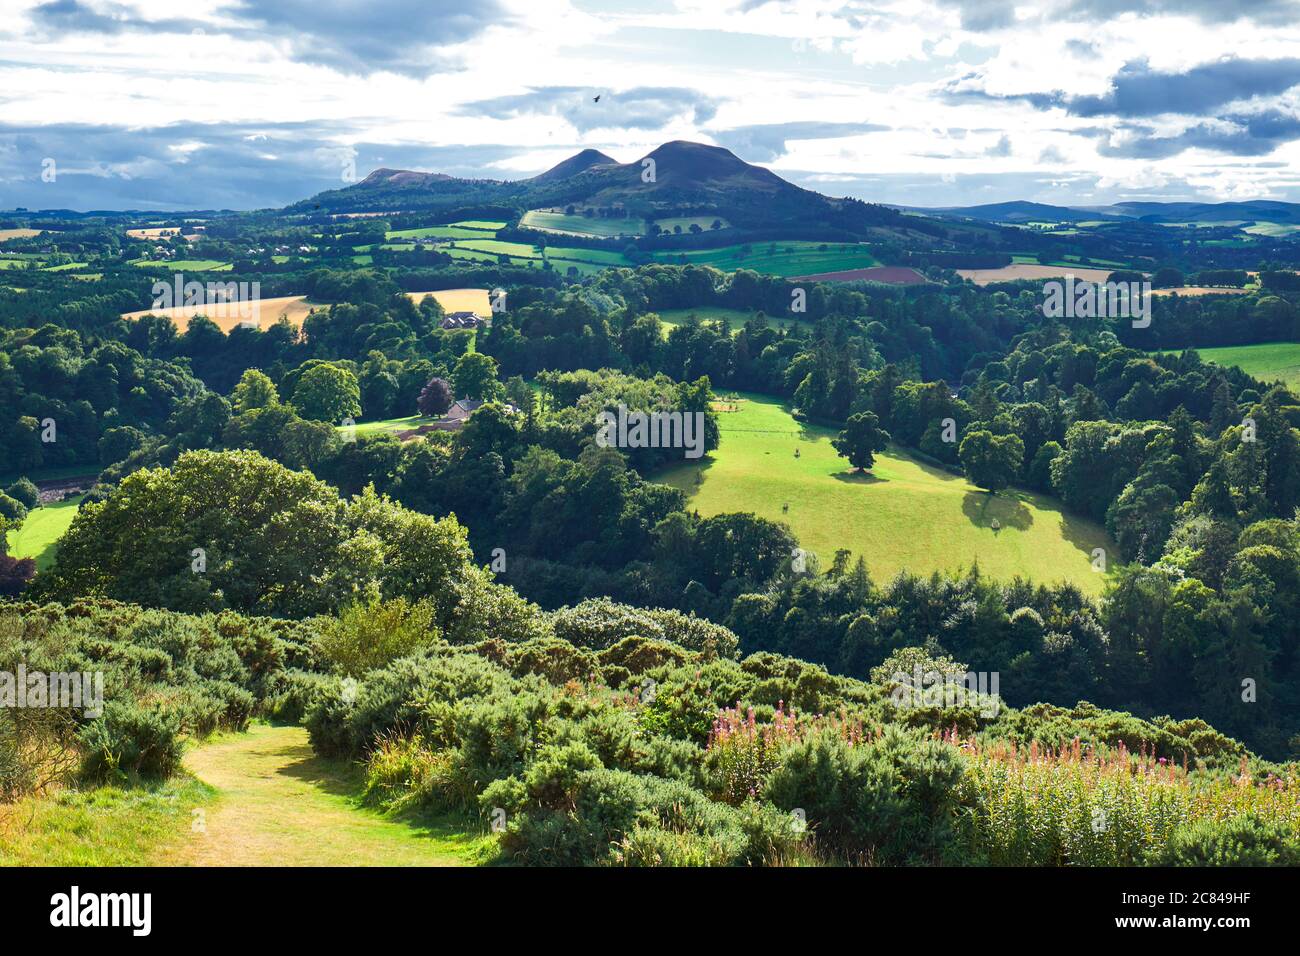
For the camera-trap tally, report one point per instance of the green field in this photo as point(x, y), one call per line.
point(781, 258)
point(389, 425)
point(194, 265)
point(672, 318)
point(491, 225)
point(581, 225)
point(438, 232)
point(1268, 362)
point(41, 530)
point(1273, 229)
point(903, 516)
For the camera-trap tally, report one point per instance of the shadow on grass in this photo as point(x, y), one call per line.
point(982, 508)
point(345, 778)
point(859, 478)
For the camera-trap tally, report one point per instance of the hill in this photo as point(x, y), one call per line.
point(577, 163)
point(676, 179)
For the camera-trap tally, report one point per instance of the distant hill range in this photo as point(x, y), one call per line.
point(1257, 210)
point(676, 179)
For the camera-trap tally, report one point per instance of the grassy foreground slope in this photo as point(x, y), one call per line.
point(904, 516)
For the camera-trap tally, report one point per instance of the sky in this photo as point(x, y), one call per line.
point(242, 104)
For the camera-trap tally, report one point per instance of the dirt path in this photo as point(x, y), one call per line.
point(279, 804)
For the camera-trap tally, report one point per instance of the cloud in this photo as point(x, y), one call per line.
point(1255, 134)
point(204, 166)
point(645, 108)
point(1001, 148)
point(1137, 90)
point(766, 142)
point(1207, 11)
point(397, 36)
point(72, 16)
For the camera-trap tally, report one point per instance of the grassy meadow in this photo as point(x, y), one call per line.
point(671, 318)
point(904, 516)
point(1268, 362)
point(41, 530)
point(579, 225)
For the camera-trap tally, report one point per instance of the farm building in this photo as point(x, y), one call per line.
point(462, 320)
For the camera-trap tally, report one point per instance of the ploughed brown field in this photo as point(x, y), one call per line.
point(295, 308)
point(894, 275)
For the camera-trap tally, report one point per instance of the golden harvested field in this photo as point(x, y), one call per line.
point(296, 308)
point(1032, 271)
point(1201, 290)
point(459, 300)
point(230, 314)
point(153, 233)
point(18, 233)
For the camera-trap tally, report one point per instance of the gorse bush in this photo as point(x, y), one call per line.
point(130, 741)
point(166, 677)
point(631, 749)
point(1238, 841)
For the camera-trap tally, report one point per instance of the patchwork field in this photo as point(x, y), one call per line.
point(41, 530)
point(1268, 362)
point(1025, 270)
point(904, 516)
point(296, 308)
point(785, 258)
point(18, 233)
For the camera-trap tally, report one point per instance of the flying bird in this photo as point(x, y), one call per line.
point(596, 98)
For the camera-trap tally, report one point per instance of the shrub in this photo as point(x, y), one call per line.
point(12, 510)
point(130, 741)
point(369, 634)
point(25, 491)
point(891, 799)
point(1239, 841)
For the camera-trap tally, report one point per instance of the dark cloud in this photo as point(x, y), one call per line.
point(1137, 91)
point(72, 16)
point(1243, 135)
point(203, 166)
point(645, 108)
point(397, 36)
point(1207, 11)
point(982, 15)
point(764, 143)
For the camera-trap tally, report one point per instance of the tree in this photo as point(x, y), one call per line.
point(237, 530)
point(475, 376)
point(15, 573)
point(861, 438)
point(327, 393)
point(255, 390)
point(991, 461)
point(435, 398)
